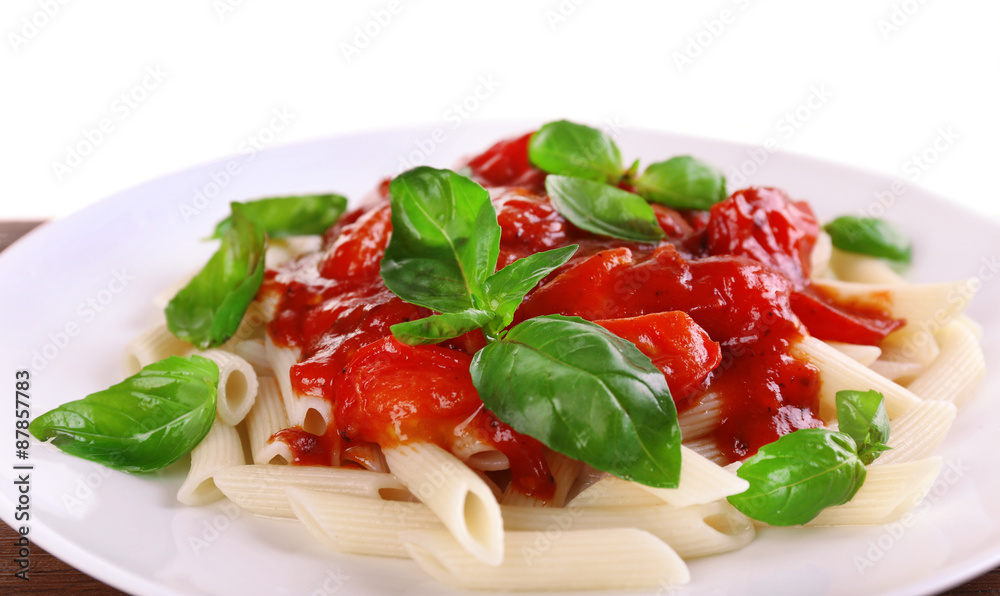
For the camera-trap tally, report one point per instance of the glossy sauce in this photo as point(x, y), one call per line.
point(716, 306)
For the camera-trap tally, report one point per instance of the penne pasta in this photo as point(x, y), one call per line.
point(693, 531)
point(916, 433)
point(460, 498)
point(260, 489)
point(156, 343)
point(266, 417)
point(311, 413)
point(359, 525)
point(620, 558)
point(839, 372)
point(702, 481)
point(219, 450)
point(237, 386)
point(889, 492)
point(918, 304)
point(955, 374)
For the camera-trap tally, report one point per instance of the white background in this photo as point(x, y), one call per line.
point(873, 83)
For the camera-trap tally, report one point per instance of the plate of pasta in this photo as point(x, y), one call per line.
point(536, 366)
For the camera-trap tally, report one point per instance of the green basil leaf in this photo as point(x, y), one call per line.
point(146, 422)
point(571, 149)
point(445, 240)
point(869, 236)
point(861, 415)
point(682, 182)
point(603, 209)
point(799, 475)
point(208, 310)
point(435, 328)
point(290, 216)
point(584, 392)
point(506, 289)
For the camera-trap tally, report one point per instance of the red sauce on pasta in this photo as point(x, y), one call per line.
point(716, 306)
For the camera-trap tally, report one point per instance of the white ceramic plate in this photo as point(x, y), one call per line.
point(76, 290)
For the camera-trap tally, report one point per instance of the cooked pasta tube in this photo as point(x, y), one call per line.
point(708, 448)
point(611, 492)
point(459, 497)
point(694, 531)
point(839, 372)
point(956, 373)
point(220, 449)
point(237, 385)
point(253, 351)
point(619, 558)
point(919, 304)
point(359, 525)
point(862, 353)
point(260, 489)
point(889, 492)
point(701, 418)
point(266, 417)
point(854, 267)
point(311, 413)
point(917, 432)
point(152, 345)
point(701, 481)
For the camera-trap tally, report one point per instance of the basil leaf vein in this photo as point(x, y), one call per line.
point(603, 209)
point(584, 392)
point(208, 310)
point(436, 328)
point(799, 475)
point(445, 240)
point(142, 424)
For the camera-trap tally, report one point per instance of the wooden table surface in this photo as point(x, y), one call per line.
point(49, 575)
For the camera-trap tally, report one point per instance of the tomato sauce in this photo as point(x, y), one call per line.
point(716, 306)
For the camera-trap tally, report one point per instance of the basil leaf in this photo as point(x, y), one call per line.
point(290, 216)
point(799, 475)
point(571, 149)
point(506, 289)
point(208, 310)
point(584, 392)
point(682, 182)
point(435, 328)
point(862, 416)
point(603, 209)
point(869, 236)
point(144, 423)
point(445, 240)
